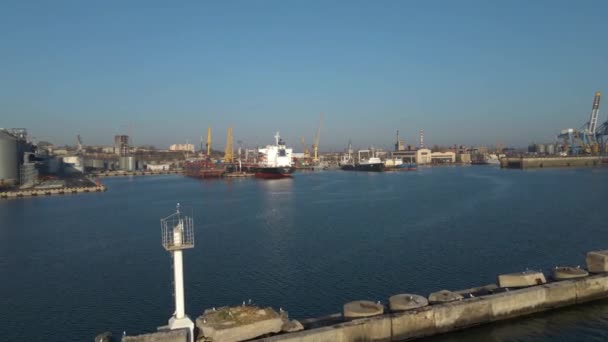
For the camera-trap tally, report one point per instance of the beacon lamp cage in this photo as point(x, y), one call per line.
point(177, 231)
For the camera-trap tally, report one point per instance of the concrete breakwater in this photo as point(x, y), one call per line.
point(457, 315)
point(409, 316)
point(50, 192)
point(538, 163)
point(135, 173)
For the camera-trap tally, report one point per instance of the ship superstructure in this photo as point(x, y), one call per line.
point(275, 161)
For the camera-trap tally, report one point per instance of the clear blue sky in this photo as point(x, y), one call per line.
point(467, 72)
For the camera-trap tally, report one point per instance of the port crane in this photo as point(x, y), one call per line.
point(602, 136)
point(79, 144)
point(228, 152)
point(208, 141)
point(305, 148)
point(589, 139)
point(315, 144)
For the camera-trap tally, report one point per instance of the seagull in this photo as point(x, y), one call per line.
point(204, 321)
point(214, 308)
point(578, 266)
point(280, 309)
point(249, 300)
point(124, 333)
point(471, 295)
point(243, 303)
point(378, 302)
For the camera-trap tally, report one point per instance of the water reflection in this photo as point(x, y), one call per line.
point(277, 206)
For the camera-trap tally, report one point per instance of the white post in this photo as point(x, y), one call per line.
point(176, 237)
point(178, 272)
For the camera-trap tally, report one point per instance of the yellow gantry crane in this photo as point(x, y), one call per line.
point(305, 148)
point(315, 144)
point(228, 153)
point(208, 141)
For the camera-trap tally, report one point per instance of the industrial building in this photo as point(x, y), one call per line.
point(419, 156)
point(17, 162)
point(158, 167)
point(73, 164)
point(423, 156)
point(127, 163)
point(121, 145)
point(443, 157)
point(182, 147)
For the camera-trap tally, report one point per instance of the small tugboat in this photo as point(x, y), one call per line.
point(347, 163)
point(275, 161)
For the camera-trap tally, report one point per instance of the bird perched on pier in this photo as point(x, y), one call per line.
point(214, 309)
point(243, 303)
point(249, 301)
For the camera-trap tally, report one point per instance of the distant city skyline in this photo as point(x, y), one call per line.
point(467, 72)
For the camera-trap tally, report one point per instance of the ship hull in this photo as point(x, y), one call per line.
point(375, 167)
point(274, 172)
point(347, 167)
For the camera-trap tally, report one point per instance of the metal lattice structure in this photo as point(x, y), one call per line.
point(177, 231)
point(589, 139)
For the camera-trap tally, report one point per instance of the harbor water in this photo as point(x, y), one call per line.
point(77, 265)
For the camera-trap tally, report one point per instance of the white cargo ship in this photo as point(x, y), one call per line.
point(275, 160)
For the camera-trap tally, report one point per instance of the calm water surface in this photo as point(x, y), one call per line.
point(74, 266)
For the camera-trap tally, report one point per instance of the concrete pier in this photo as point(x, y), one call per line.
point(136, 173)
point(50, 192)
point(410, 316)
point(539, 163)
point(461, 314)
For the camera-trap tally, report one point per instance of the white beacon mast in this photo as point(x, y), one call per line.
point(178, 234)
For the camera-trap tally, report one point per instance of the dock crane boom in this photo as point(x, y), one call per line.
point(592, 125)
point(305, 148)
point(315, 145)
point(79, 143)
point(208, 141)
point(228, 152)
